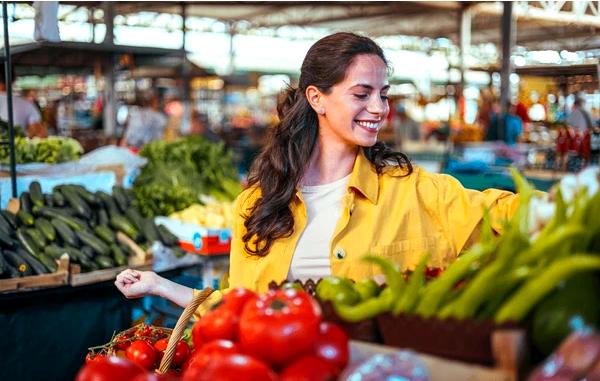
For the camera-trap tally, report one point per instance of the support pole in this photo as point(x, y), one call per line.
point(185, 78)
point(109, 21)
point(465, 43)
point(109, 111)
point(508, 42)
point(9, 102)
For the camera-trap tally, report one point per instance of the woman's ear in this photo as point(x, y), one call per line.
point(315, 98)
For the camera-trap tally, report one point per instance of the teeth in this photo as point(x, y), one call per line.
point(369, 125)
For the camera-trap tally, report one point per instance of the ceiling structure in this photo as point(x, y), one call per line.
point(550, 24)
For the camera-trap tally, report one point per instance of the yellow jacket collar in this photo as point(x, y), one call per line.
point(364, 178)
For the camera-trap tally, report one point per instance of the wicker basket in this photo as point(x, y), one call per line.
point(174, 334)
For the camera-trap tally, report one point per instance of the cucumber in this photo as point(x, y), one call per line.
point(73, 222)
point(135, 218)
point(64, 232)
point(48, 200)
point(55, 251)
point(103, 218)
point(48, 262)
point(88, 252)
point(95, 243)
point(104, 262)
point(35, 193)
point(105, 233)
point(9, 217)
point(6, 269)
point(58, 198)
point(46, 228)
point(122, 224)
point(149, 230)
point(25, 217)
point(108, 202)
point(27, 243)
point(3, 266)
point(6, 240)
point(166, 237)
point(81, 207)
point(37, 236)
point(118, 255)
point(36, 264)
point(5, 227)
point(25, 202)
point(86, 195)
point(120, 197)
point(18, 263)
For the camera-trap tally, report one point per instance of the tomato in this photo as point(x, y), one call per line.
point(201, 357)
point(222, 321)
point(144, 331)
point(309, 368)
point(141, 353)
point(231, 367)
point(157, 377)
point(280, 326)
point(90, 357)
point(332, 345)
point(109, 369)
point(122, 344)
point(161, 345)
point(182, 352)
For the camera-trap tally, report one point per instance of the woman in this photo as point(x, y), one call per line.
point(323, 193)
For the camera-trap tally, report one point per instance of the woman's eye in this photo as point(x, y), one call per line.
point(385, 97)
point(361, 96)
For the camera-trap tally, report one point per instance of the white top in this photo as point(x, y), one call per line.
point(24, 111)
point(144, 126)
point(323, 210)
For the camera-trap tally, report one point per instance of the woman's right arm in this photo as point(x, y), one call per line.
point(136, 284)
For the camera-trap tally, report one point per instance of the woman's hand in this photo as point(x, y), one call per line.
point(135, 284)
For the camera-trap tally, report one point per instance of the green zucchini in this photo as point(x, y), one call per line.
point(4, 266)
point(94, 242)
point(37, 236)
point(86, 195)
point(88, 252)
point(25, 202)
point(18, 263)
point(48, 262)
point(135, 218)
point(64, 232)
point(105, 262)
point(35, 193)
point(46, 228)
point(36, 265)
point(9, 217)
point(25, 217)
point(55, 251)
point(105, 233)
point(27, 243)
point(122, 224)
point(108, 202)
point(48, 200)
point(120, 197)
point(73, 222)
point(81, 207)
point(58, 198)
point(149, 230)
point(103, 218)
point(6, 269)
point(118, 255)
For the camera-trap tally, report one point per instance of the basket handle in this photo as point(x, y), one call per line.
point(177, 333)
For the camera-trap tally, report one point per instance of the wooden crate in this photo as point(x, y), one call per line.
point(56, 279)
point(508, 348)
point(140, 260)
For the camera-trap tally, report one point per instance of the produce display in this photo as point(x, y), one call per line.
point(275, 336)
point(50, 150)
point(74, 221)
point(213, 214)
point(507, 278)
point(179, 172)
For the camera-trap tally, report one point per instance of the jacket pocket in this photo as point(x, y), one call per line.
point(407, 253)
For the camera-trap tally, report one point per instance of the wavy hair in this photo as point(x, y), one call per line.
point(280, 166)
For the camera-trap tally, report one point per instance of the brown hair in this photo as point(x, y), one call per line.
point(280, 166)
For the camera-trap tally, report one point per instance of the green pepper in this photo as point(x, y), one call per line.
point(527, 296)
point(337, 290)
point(406, 303)
point(292, 285)
point(436, 290)
point(540, 247)
point(367, 309)
point(502, 288)
point(367, 289)
point(393, 277)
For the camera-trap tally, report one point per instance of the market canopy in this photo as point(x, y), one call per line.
point(558, 24)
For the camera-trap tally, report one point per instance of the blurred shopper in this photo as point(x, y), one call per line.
point(199, 127)
point(507, 127)
point(25, 113)
point(324, 191)
point(405, 127)
point(580, 118)
point(145, 123)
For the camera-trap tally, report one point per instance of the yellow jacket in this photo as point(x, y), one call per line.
point(400, 218)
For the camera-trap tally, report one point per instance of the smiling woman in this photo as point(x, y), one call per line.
point(324, 192)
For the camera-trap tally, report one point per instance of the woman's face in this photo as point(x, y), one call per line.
point(356, 108)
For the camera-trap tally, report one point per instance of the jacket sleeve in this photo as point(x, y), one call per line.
point(462, 209)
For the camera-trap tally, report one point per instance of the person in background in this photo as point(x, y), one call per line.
point(580, 118)
point(511, 125)
point(405, 127)
point(25, 113)
point(199, 127)
point(145, 123)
